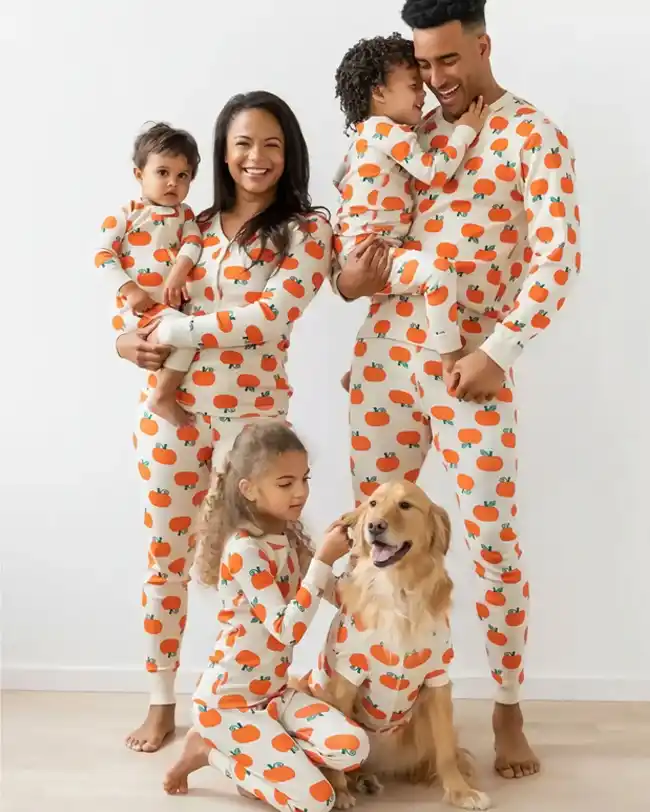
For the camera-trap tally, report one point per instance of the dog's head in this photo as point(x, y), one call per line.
point(399, 526)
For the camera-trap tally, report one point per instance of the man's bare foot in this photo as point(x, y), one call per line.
point(196, 754)
point(514, 756)
point(168, 408)
point(158, 725)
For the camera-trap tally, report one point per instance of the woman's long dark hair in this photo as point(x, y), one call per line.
point(292, 200)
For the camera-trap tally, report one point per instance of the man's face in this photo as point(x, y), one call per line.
point(453, 61)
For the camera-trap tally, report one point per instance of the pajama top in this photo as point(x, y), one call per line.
point(374, 180)
point(266, 610)
point(390, 679)
point(141, 242)
point(244, 303)
point(508, 224)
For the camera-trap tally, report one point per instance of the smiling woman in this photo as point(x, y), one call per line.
point(266, 253)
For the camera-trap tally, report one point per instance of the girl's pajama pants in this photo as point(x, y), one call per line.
point(273, 752)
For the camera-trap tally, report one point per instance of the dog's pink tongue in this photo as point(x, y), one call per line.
point(382, 552)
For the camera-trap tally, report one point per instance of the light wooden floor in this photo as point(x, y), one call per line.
point(63, 753)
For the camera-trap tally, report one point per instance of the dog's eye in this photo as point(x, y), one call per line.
point(405, 505)
point(373, 503)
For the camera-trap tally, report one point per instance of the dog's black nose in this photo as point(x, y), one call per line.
point(377, 528)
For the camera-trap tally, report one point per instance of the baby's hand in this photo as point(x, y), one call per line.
point(137, 299)
point(176, 293)
point(476, 116)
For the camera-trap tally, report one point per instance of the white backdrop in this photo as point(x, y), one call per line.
point(82, 79)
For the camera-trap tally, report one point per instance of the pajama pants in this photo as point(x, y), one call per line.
point(398, 407)
point(175, 465)
point(273, 752)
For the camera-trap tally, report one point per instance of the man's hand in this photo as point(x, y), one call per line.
point(450, 377)
point(480, 379)
point(367, 269)
point(345, 380)
point(135, 347)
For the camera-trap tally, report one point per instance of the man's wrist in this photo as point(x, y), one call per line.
point(345, 292)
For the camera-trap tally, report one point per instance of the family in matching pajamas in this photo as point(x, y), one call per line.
point(484, 234)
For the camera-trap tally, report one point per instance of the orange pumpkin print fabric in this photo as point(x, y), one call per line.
point(508, 226)
point(270, 740)
point(390, 679)
point(376, 195)
point(140, 244)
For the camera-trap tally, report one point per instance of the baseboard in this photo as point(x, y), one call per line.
point(106, 680)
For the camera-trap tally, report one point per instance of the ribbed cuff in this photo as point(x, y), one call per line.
point(443, 344)
point(319, 574)
point(508, 694)
point(503, 347)
point(161, 687)
point(175, 331)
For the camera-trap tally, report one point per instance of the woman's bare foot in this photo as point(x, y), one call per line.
point(158, 725)
point(196, 754)
point(514, 756)
point(169, 409)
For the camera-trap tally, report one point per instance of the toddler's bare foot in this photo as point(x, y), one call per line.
point(158, 725)
point(166, 406)
point(196, 754)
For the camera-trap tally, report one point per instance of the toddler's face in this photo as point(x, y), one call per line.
point(402, 98)
point(165, 179)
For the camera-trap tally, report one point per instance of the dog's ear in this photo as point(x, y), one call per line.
point(354, 521)
point(440, 529)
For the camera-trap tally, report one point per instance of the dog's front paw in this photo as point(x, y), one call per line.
point(368, 784)
point(468, 799)
point(344, 799)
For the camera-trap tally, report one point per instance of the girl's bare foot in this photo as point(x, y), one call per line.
point(514, 756)
point(169, 409)
point(196, 754)
point(158, 725)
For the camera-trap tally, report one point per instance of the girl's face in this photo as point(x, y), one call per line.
point(255, 151)
point(280, 492)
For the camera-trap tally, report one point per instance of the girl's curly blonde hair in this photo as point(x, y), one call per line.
point(225, 510)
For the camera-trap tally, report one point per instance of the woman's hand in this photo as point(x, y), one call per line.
point(140, 348)
point(367, 270)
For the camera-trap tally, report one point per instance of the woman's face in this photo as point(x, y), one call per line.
point(255, 151)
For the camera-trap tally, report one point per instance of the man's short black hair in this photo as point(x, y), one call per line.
point(366, 66)
point(434, 13)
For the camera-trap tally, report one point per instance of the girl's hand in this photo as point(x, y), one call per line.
point(335, 545)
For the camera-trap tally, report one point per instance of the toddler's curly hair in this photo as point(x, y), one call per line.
point(366, 66)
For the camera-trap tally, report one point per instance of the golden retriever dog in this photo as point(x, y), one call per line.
point(385, 662)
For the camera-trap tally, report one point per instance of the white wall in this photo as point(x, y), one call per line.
point(72, 549)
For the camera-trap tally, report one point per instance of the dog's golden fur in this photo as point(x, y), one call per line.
point(403, 599)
